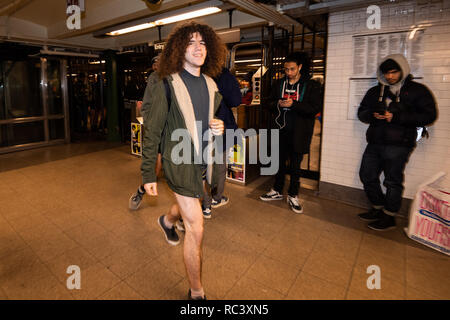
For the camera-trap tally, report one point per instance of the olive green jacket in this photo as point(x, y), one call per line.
point(160, 122)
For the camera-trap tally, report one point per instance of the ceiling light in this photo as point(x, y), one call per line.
point(168, 20)
point(131, 29)
point(248, 60)
point(189, 15)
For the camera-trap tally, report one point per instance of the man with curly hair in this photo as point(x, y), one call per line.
point(193, 56)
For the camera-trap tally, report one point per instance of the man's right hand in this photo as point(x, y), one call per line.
point(151, 189)
point(379, 107)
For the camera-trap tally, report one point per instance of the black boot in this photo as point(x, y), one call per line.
point(386, 222)
point(372, 215)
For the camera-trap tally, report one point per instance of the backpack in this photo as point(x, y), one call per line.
point(168, 95)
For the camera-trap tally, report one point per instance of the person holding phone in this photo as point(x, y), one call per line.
point(394, 109)
point(295, 100)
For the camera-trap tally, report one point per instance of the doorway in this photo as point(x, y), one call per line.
point(33, 104)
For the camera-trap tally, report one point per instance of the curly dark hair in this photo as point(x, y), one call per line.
point(172, 58)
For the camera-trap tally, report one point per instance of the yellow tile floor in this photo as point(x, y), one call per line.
point(68, 205)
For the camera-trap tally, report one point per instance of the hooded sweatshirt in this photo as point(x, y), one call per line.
point(404, 68)
point(410, 102)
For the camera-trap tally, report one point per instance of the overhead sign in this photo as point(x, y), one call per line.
point(159, 45)
point(79, 3)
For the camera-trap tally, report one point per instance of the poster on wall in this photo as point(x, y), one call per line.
point(236, 163)
point(370, 50)
point(136, 139)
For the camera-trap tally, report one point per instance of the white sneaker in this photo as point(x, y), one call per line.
point(207, 213)
point(216, 204)
point(180, 225)
point(294, 204)
point(271, 195)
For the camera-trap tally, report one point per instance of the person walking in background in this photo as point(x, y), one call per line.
point(229, 89)
point(394, 109)
point(144, 106)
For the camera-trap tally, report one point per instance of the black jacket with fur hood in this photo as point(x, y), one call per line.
point(410, 102)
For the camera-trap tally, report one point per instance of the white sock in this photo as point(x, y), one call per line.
point(167, 222)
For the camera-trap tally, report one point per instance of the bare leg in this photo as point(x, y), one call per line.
point(191, 212)
point(172, 216)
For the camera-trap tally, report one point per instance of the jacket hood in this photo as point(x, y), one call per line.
point(401, 61)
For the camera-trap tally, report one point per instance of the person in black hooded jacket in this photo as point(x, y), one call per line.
point(394, 109)
point(295, 100)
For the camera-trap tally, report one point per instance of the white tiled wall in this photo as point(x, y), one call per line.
point(344, 140)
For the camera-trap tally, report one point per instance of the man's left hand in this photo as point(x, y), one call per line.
point(217, 127)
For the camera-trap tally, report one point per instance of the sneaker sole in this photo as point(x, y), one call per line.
point(207, 217)
point(219, 204)
point(266, 199)
point(173, 243)
point(385, 229)
point(368, 220)
point(297, 211)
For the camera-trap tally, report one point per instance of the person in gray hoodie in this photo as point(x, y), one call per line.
point(394, 110)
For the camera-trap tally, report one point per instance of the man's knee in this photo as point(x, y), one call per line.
point(393, 184)
point(366, 175)
point(195, 229)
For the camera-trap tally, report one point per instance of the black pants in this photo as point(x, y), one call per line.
point(392, 161)
point(295, 159)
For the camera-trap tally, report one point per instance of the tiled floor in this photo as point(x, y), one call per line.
point(68, 205)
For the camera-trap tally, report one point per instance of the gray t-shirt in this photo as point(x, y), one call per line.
point(198, 91)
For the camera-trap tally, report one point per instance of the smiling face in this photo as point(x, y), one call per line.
point(195, 54)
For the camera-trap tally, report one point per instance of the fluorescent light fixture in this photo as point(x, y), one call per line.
point(96, 62)
point(172, 19)
point(248, 60)
point(131, 29)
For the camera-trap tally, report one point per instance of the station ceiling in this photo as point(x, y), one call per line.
point(45, 20)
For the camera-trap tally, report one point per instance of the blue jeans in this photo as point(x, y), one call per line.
point(392, 161)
